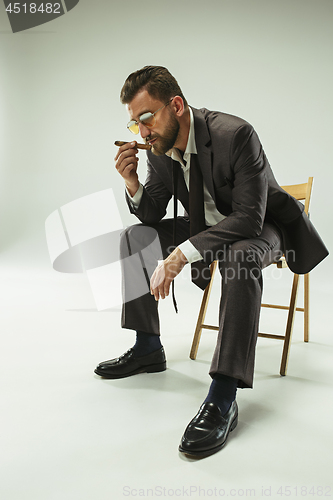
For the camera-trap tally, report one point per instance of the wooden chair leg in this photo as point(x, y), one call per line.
point(290, 324)
point(306, 307)
point(202, 313)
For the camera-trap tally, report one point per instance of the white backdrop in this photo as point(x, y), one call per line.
point(68, 434)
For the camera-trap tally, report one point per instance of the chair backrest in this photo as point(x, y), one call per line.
point(301, 192)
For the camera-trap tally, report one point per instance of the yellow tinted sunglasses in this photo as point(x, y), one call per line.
point(147, 119)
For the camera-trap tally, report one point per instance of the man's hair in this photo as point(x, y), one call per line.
point(157, 80)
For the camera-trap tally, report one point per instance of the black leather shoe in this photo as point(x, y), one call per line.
point(208, 431)
point(129, 364)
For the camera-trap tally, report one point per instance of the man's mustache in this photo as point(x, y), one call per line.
point(151, 138)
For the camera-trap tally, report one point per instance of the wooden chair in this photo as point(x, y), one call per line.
point(300, 192)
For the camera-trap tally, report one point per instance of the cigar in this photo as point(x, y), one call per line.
point(139, 146)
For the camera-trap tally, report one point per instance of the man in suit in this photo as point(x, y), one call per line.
point(235, 212)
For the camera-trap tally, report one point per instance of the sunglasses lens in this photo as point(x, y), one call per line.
point(148, 119)
point(133, 127)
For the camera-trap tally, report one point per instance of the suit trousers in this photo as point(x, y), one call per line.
point(240, 265)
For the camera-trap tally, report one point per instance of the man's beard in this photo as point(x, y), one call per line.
point(167, 141)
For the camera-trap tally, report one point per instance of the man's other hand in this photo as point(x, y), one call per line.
point(165, 273)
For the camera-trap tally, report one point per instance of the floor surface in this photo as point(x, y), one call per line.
point(69, 435)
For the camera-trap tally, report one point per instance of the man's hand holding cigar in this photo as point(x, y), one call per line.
point(127, 165)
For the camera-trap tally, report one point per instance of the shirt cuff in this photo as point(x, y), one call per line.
point(190, 252)
point(135, 200)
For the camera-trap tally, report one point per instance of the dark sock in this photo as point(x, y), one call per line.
point(146, 343)
point(222, 392)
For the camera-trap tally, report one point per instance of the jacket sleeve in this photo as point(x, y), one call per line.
point(249, 195)
point(155, 198)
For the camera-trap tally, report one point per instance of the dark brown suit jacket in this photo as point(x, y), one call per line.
point(241, 182)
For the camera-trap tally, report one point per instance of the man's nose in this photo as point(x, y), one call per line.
point(144, 131)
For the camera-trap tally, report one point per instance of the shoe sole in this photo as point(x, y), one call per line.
point(158, 367)
point(206, 453)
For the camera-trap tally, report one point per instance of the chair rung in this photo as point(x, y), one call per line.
point(271, 336)
point(273, 306)
point(210, 327)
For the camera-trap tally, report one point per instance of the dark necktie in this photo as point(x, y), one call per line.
point(197, 217)
point(174, 236)
point(196, 198)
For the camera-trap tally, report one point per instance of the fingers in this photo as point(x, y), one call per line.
point(159, 283)
point(166, 288)
point(162, 290)
point(156, 280)
point(125, 147)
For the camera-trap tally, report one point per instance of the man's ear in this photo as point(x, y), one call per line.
point(177, 105)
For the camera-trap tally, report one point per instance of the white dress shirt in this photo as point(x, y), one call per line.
point(212, 215)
